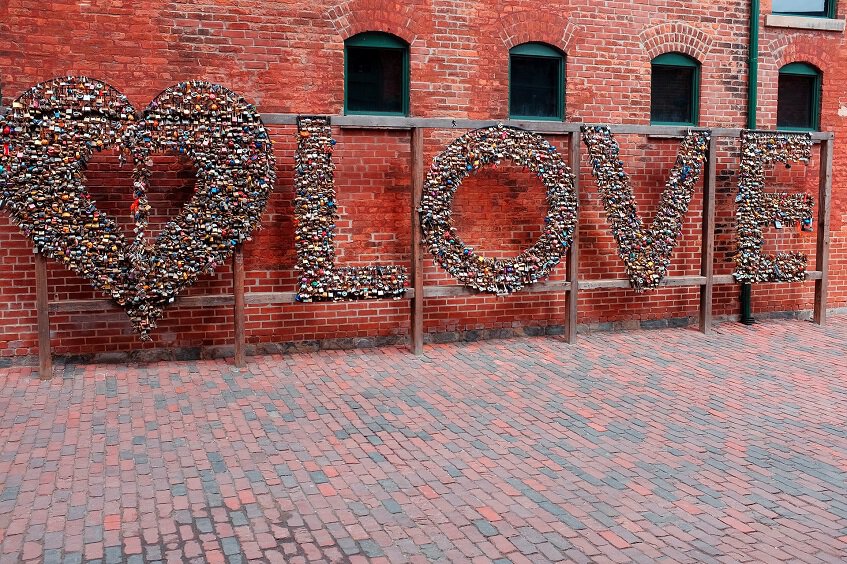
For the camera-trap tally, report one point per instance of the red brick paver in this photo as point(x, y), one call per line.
point(636, 446)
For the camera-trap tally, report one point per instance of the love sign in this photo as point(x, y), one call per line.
point(49, 135)
point(50, 132)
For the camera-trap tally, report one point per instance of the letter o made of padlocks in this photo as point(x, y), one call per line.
point(469, 153)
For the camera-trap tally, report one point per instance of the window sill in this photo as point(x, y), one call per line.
point(690, 126)
point(804, 22)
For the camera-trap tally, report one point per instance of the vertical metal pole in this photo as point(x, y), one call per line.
point(752, 104)
point(572, 300)
point(45, 356)
point(753, 66)
point(822, 255)
point(238, 308)
point(417, 303)
point(707, 250)
point(747, 304)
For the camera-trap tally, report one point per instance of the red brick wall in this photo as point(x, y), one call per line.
point(288, 57)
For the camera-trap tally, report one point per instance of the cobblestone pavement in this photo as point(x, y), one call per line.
point(640, 446)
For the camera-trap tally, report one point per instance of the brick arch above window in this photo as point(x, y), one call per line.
point(359, 16)
point(787, 49)
point(675, 37)
point(518, 28)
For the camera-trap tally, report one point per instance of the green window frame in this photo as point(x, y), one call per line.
point(538, 53)
point(681, 63)
point(376, 43)
point(827, 11)
point(814, 81)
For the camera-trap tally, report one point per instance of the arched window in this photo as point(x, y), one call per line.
point(799, 97)
point(376, 74)
point(674, 90)
point(536, 82)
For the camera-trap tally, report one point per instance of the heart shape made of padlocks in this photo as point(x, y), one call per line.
point(50, 133)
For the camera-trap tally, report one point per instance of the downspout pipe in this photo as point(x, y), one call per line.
point(752, 103)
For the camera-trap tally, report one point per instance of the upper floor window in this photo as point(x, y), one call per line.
point(674, 90)
point(376, 74)
point(799, 97)
point(816, 8)
point(536, 82)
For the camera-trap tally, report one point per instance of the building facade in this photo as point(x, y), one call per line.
point(638, 62)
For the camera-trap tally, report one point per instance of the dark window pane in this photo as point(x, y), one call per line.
point(672, 94)
point(375, 80)
point(796, 98)
point(534, 87)
point(800, 6)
